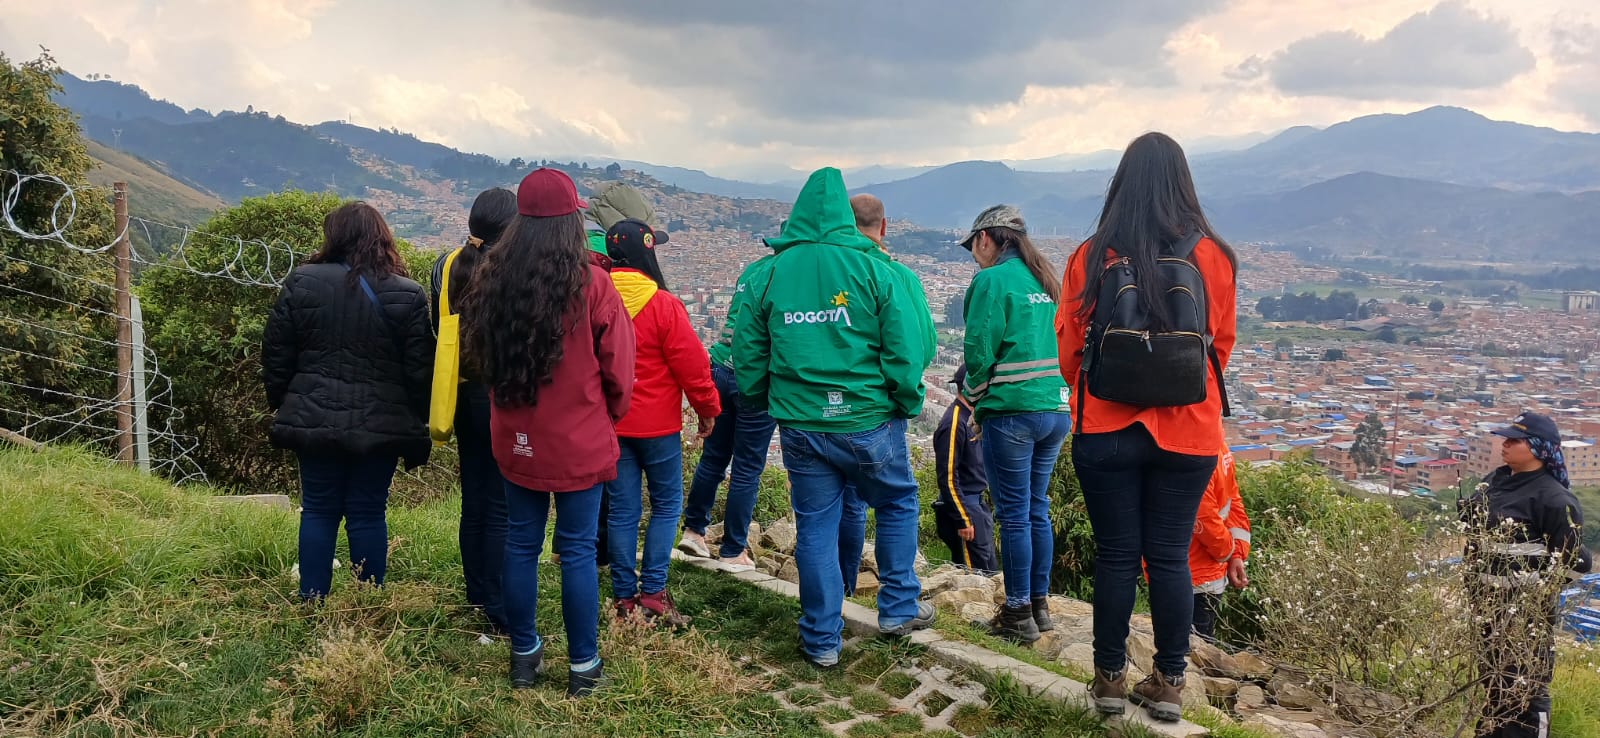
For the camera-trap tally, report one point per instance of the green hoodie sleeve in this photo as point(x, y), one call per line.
point(752, 342)
point(903, 358)
point(983, 327)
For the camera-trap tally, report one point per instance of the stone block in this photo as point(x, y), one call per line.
point(280, 502)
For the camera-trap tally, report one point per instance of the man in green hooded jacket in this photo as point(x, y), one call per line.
point(834, 349)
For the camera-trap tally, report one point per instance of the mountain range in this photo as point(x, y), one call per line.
point(1442, 183)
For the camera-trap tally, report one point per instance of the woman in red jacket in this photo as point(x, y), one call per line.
point(548, 334)
point(1145, 467)
point(669, 363)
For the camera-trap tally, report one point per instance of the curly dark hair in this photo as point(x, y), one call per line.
point(522, 302)
point(356, 234)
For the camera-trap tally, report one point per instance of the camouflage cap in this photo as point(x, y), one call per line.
point(998, 216)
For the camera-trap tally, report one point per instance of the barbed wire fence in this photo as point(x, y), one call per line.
point(131, 411)
point(136, 415)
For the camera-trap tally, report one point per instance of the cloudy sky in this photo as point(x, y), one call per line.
point(728, 84)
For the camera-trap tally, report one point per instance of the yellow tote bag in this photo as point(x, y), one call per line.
point(446, 362)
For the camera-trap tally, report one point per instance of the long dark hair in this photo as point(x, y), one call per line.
point(522, 303)
point(1010, 239)
point(1151, 202)
point(491, 214)
point(356, 235)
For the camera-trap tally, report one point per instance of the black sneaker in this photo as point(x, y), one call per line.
point(1041, 615)
point(1015, 623)
point(582, 683)
point(525, 668)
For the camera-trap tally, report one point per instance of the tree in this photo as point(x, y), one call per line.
point(54, 320)
point(1333, 355)
point(1367, 451)
point(1436, 306)
point(207, 331)
point(1386, 334)
point(614, 171)
point(1411, 300)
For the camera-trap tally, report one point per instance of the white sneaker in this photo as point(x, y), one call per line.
point(694, 544)
point(739, 563)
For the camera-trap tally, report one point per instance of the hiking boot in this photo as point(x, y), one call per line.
point(1041, 615)
point(1161, 695)
point(659, 607)
point(525, 668)
point(1109, 690)
point(739, 563)
point(694, 544)
point(626, 606)
point(920, 621)
point(1015, 623)
point(582, 683)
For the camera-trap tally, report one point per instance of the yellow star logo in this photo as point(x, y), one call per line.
point(842, 299)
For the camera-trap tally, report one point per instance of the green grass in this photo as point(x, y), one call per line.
point(1575, 693)
point(131, 608)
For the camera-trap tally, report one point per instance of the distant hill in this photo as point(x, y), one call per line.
point(951, 196)
point(1441, 144)
point(244, 154)
point(1375, 214)
point(117, 101)
point(159, 196)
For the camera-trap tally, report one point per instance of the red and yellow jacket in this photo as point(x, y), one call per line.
point(669, 362)
point(1221, 530)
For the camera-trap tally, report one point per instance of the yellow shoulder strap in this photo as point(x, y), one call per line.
point(444, 281)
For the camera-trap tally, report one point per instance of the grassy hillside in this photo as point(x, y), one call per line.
point(129, 607)
point(152, 193)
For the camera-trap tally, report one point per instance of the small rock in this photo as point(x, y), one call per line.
point(866, 583)
point(1080, 655)
point(754, 532)
point(953, 599)
point(780, 536)
point(1066, 607)
point(1194, 691)
point(1296, 697)
point(771, 563)
point(973, 581)
point(938, 581)
point(978, 612)
point(788, 572)
point(1220, 686)
point(713, 534)
point(1286, 723)
point(1141, 622)
point(1141, 649)
point(869, 558)
point(1250, 666)
point(1250, 696)
point(920, 564)
point(1050, 644)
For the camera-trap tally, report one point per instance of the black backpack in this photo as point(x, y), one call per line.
point(1126, 360)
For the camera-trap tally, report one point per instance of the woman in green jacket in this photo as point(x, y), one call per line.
point(1020, 402)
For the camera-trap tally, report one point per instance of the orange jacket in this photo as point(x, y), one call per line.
point(1190, 429)
point(1221, 530)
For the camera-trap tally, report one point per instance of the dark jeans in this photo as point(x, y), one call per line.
point(483, 505)
point(351, 488)
point(1019, 454)
point(1142, 502)
point(978, 553)
point(878, 465)
point(1205, 614)
point(577, 517)
point(741, 438)
point(660, 462)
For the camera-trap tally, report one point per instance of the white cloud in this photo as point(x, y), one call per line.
point(683, 83)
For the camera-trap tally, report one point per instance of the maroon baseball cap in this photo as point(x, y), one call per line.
point(546, 193)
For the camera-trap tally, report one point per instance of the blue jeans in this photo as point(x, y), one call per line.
point(1019, 453)
point(577, 516)
point(482, 534)
point(878, 464)
point(741, 438)
point(660, 461)
point(355, 489)
point(852, 538)
point(1142, 502)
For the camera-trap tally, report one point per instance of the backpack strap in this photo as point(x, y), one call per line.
point(1216, 369)
point(388, 324)
point(1183, 248)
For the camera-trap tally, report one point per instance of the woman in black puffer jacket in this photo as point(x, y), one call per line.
point(347, 360)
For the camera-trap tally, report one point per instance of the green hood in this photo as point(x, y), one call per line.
point(616, 201)
point(822, 214)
